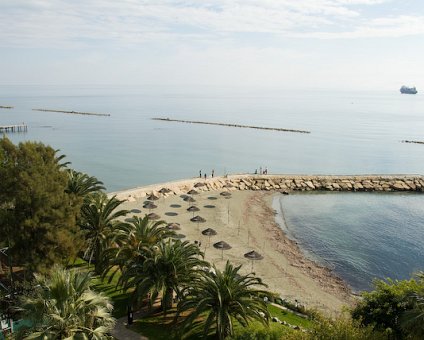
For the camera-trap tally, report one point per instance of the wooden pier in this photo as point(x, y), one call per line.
point(14, 128)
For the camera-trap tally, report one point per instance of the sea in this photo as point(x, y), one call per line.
point(361, 236)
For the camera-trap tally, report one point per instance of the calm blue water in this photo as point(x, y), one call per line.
point(361, 236)
point(352, 133)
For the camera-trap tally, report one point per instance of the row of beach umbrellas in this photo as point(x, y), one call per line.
point(222, 245)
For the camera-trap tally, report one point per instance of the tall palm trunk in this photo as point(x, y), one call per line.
point(167, 299)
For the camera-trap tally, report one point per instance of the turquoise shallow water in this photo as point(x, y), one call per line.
point(361, 236)
point(352, 133)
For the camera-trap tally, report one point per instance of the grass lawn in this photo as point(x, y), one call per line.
point(156, 327)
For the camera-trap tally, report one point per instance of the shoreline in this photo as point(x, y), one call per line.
point(322, 275)
point(250, 224)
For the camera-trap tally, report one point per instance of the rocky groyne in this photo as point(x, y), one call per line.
point(286, 184)
point(230, 125)
point(74, 112)
point(413, 141)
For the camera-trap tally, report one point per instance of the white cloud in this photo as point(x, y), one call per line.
point(61, 23)
point(378, 28)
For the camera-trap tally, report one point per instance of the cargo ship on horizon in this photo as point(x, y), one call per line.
point(408, 90)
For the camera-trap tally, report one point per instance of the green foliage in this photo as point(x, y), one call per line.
point(132, 243)
point(259, 334)
point(412, 321)
point(342, 328)
point(383, 307)
point(81, 184)
point(170, 266)
point(224, 297)
point(36, 214)
point(98, 221)
point(63, 306)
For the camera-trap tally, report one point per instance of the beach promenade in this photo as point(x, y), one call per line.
point(246, 221)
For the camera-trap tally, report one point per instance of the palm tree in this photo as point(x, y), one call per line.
point(168, 267)
point(224, 297)
point(64, 307)
point(412, 320)
point(99, 220)
point(132, 242)
point(81, 184)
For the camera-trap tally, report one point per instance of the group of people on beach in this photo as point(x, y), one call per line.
point(205, 175)
point(261, 172)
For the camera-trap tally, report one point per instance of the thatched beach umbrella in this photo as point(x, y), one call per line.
point(209, 232)
point(253, 256)
point(129, 219)
point(164, 191)
point(193, 209)
point(150, 206)
point(189, 199)
point(225, 194)
point(192, 192)
point(152, 197)
point(223, 246)
point(198, 219)
point(135, 211)
point(228, 185)
point(153, 216)
point(199, 184)
point(173, 226)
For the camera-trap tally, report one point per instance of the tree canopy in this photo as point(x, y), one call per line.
point(36, 214)
point(391, 306)
point(224, 297)
point(62, 306)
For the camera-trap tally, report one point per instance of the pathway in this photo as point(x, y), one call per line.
point(121, 332)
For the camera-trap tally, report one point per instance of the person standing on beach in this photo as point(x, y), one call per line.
point(200, 173)
point(205, 175)
point(213, 172)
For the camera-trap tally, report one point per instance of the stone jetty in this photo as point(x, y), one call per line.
point(287, 184)
point(230, 125)
point(74, 112)
point(413, 141)
point(6, 107)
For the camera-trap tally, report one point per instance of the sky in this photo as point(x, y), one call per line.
point(283, 44)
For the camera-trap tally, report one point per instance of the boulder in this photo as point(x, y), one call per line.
point(310, 185)
point(398, 185)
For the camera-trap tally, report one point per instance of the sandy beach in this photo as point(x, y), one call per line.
point(246, 221)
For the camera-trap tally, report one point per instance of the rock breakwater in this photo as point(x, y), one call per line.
point(287, 184)
point(230, 125)
point(74, 112)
